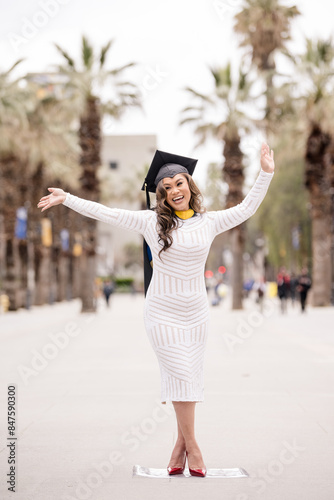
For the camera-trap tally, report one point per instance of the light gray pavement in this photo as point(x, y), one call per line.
point(85, 417)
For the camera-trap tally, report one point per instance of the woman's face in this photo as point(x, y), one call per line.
point(178, 192)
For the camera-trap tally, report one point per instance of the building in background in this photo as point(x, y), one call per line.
point(49, 84)
point(125, 161)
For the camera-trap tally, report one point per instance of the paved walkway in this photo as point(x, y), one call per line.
point(88, 404)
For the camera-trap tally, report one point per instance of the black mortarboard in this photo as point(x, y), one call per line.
point(163, 165)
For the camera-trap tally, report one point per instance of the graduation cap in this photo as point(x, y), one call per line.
point(163, 165)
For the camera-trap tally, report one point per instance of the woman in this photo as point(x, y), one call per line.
point(179, 232)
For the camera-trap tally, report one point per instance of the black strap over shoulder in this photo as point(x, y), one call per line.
point(147, 264)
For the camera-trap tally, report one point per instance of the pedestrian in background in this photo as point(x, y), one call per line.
point(260, 289)
point(283, 288)
point(108, 289)
point(304, 284)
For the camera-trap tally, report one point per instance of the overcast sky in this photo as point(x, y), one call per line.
point(173, 41)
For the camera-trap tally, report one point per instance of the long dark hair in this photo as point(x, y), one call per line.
point(167, 219)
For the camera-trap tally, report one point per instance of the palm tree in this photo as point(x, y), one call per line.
point(53, 159)
point(285, 212)
point(83, 84)
point(316, 70)
point(226, 100)
point(264, 26)
point(13, 179)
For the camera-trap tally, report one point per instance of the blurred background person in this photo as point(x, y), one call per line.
point(260, 290)
point(108, 290)
point(304, 284)
point(283, 288)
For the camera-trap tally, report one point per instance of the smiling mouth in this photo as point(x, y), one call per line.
point(178, 199)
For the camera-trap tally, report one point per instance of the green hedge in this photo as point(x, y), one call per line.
point(123, 282)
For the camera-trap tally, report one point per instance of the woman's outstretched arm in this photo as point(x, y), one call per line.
point(135, 220)
point(232, 217)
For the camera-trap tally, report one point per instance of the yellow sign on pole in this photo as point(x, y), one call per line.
point(46, 232)
point(77, 247)
point(272, 289)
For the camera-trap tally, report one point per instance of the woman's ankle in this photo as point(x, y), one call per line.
point(180, 443)
point(192, 447)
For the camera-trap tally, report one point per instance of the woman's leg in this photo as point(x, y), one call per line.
point(185, 413)
point(177, 457)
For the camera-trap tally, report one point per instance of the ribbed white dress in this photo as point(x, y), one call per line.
point(176, 312)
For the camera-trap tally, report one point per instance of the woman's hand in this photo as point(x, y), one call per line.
point(56, 197)
point(267, 159)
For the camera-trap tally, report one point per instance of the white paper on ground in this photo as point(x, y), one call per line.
point(138, 470)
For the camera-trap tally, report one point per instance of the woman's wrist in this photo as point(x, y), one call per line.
point(265, 171)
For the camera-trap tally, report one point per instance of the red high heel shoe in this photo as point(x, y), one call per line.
point(196, 472)
point(176, 470)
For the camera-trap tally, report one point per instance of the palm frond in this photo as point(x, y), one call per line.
point(104, 52)
point(198, 94)
point(125, 84)
point(116, 71)
point(288, 55)
point(242, 83)
point(69, 59)
point(128, 95)
point(111, 109)
point(200, 109)
point(200, 142)
point(222, 76)
point(13, 66)
point(221, 130)
point(203, 131)
point(87, 53)
point(189, 120)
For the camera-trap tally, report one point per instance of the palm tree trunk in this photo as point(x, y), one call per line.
point(74, 223)
point(317, 181)
point(238, 246)
point(12, 274)
point(270, 100)
point(63, 273)
point(43, 276)
point(321, 250)
point(41, 257)
point(76, 277)
point(87, 282)
point(90, 142)
point(23, 257)
point(329, 162)
point(233, 174)
point(60, 256)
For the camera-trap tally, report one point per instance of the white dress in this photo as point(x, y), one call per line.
point(176, 312)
